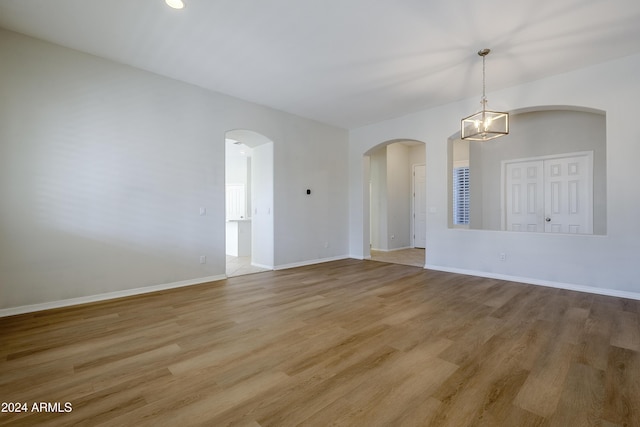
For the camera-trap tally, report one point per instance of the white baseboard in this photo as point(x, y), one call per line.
point(12, 311)
point(391, 250)
point(310, 262)
point(147, 289)
point(268, 267)
point(106, 296)
point(539, 282)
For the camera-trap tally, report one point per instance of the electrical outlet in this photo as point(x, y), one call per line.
point(203, 259)
point(503, 256)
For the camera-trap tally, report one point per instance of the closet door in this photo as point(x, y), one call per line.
point(550, 194)
point(568, 195)
point(525, 196)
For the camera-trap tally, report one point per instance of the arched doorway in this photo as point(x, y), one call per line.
point(395, 206)
point(249, 202)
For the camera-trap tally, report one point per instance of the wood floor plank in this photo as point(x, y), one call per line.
point(542, 390)
point(621, 403)
point(625, 332)
point(332, 389)
point(348, 342)
point(482, 389)
point(378, 400)
point(582, 398)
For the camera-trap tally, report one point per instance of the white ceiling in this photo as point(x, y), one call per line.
point(343, 62)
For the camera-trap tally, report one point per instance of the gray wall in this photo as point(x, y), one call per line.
point(104, 168)
point(378, 182)
point(596, 263)
point(399, 196)
point(391, 168)
point(537, 134)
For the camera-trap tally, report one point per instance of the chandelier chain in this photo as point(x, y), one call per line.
point(485, 124)
point(484, 84)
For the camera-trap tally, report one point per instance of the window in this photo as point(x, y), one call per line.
point(461, 195)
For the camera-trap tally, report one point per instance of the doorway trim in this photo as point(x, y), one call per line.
point(415, 209)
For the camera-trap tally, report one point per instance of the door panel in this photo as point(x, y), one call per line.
point(567, 189)
point(553, 195)
point(524, 191)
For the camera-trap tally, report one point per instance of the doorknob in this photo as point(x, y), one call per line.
point(547, 219)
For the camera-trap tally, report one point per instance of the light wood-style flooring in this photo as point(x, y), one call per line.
point(239, 266)
point(352, 343)
point(410, 256)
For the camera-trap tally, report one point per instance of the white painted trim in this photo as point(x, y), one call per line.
point(155, 288)
point(392, 250)
point(310, 262)
point(12, 311)
point(268, 267)
point(412, 217)
point(539, 282)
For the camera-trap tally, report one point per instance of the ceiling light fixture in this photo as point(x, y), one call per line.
point(176, 4)
point(484, 125)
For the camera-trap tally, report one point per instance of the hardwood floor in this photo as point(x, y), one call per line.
point(239, 266)
point(410, 256)
point(350, 342)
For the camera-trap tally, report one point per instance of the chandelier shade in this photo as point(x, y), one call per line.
point(486, 124)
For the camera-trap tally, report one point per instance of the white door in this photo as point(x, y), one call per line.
point(419, 206)
point(236, 201)
point(550, 194)
point(525, 196)
point(568, 195)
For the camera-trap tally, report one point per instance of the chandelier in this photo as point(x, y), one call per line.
point(484, 125)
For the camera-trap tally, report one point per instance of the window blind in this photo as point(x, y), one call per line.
point(461, 195)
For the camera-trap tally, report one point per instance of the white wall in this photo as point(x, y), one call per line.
point(416, 155)
point(237, 164)
point(378, 206)
point(390, 204)
point(262, 213)
point(237, 172)
point(103, 170)
point(312, 226)
point(398, 196)
point(602, 263)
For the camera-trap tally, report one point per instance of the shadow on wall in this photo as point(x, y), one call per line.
point(545, 133)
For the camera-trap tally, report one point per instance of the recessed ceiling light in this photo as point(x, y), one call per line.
point(176, 4)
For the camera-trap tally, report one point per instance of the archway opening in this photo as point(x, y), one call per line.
point(395, 203)
point(249, 202)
